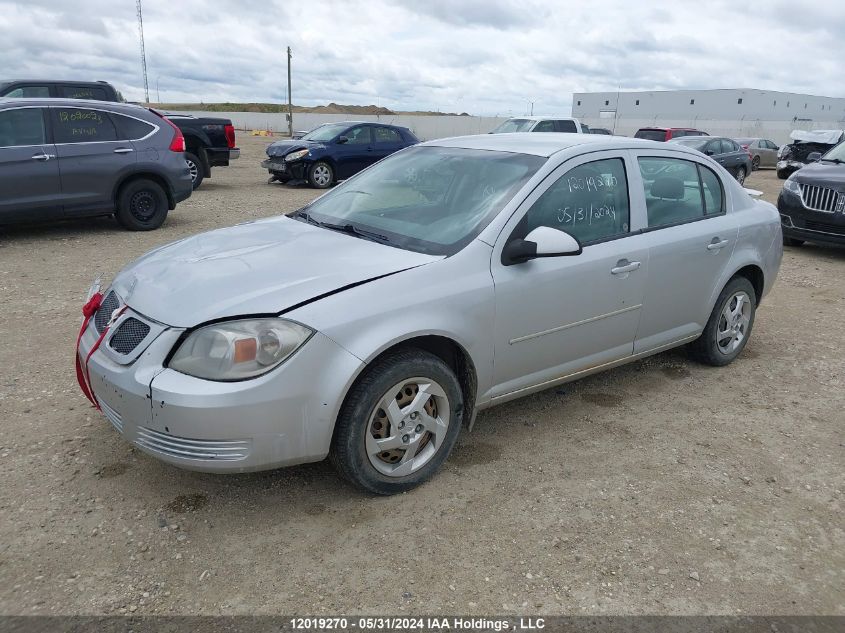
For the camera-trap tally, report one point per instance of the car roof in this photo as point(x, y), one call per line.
point(542, 118)
point(691, 137)
point(79, 103)
point(547, 143)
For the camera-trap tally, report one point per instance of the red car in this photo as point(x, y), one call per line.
point(667, 133)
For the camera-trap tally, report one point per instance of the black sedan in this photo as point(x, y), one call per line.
point(725, 151)
point(334, 151)
point(812, 201)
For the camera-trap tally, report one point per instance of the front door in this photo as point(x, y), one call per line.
point(29, 173)
point(356, 153)
point(690, 240)
point(91, 158)
point(558, 316)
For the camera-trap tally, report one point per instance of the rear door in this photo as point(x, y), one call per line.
point(565, 125)
point(768, 153)
point(91, 157)
point(690, 239)
point(29, 173)
point(734, 156)
point(386, 141)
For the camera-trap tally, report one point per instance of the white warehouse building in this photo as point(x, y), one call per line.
point(733, 112)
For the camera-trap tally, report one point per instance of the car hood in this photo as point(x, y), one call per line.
point(280, 148)
point(263, 267)
point(822, 174)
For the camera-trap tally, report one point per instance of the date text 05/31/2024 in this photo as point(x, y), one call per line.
point(412, 624)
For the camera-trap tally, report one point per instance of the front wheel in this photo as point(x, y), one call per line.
point(195, 167)
point(398, 423)
point(320, 175)
point(141, 205)
point(740, 175)
point(729, 326)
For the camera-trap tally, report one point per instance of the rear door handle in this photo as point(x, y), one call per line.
point(123, 150)
point(717, 245)
point(623, 267)
point(43, 157)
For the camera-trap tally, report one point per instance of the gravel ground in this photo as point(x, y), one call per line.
point(660, 487)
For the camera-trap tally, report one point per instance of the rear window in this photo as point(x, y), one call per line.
point(130, 129)
point(83, 92)
point(651, 135)
point(514, 125)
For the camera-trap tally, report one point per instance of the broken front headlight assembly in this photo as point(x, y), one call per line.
point(237, 350)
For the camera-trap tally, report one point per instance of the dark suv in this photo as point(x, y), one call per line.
point(46, 88)
point(66, 158)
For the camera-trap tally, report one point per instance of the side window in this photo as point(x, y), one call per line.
point(82, 92)
point(729, 146)
point(565, 126)
point(589, 202)
point(130, 129)
point(24, 126)
point(386, 135)
point(674, 192)
point(544, 126)
point(359, 135)
point(78, 125)
point(711, 188)
point(29, 92)
point(713, 147)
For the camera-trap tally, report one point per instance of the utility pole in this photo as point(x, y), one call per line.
point(290, 101)
point(143, 53)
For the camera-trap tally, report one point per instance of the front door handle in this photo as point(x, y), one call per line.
point(624, 266)
point(123, 150)
point(717, 244)
point(43, 157)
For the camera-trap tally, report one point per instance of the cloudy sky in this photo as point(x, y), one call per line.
point(479, 56)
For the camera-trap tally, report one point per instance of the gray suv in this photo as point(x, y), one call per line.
point(67, 158)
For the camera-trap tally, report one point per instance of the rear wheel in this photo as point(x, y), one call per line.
point(729, 326)
point(791, 241)
point(321, 175)
point(195, 167)
point(740, 175)
point(141, 205)
point(755, 163)
point(398, 423)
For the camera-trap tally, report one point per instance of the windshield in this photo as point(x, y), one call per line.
point(693, 143)
point(514, 125)
point(837, 153)
point(427, 199)
point(325, 132)
point(651, 135)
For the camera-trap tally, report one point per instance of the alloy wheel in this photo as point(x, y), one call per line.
point(407, 427)
point(193, 169)
point(733, 323)
point(322, 175)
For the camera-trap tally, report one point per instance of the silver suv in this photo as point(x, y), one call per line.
point(67, 158)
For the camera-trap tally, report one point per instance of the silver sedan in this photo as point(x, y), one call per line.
point(373, 324)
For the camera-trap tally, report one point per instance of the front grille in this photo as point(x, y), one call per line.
point(184, 448)
point(128, 335)
point(113, 416)
point(824, 227)
point(103, 315)
point(819, 198)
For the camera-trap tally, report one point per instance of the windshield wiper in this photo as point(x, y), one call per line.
point(351, 229)
point(833, 160)
point(302, 213)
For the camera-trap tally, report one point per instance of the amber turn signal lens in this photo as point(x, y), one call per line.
point(245, 350)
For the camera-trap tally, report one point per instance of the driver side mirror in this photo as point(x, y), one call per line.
point(814, 157)
point(543, 241)
point(342, 139)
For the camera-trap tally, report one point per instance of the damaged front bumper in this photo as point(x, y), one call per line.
point(283, 170)
point(279, 419)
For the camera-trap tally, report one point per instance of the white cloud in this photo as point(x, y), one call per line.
point(480, 56)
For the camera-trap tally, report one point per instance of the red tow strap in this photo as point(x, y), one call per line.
point(83, 375)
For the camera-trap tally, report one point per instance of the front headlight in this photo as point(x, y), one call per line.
point(296, 155)
point(793, 186)
point(235, 350)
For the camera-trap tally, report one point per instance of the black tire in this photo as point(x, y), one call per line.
point(358, 414)
point(755, 163)
point(740, 175)
point(783, 174)
point(791, 241)
point(320, 175)
point(705, 349)
point(141, 205)
point(196, 168)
